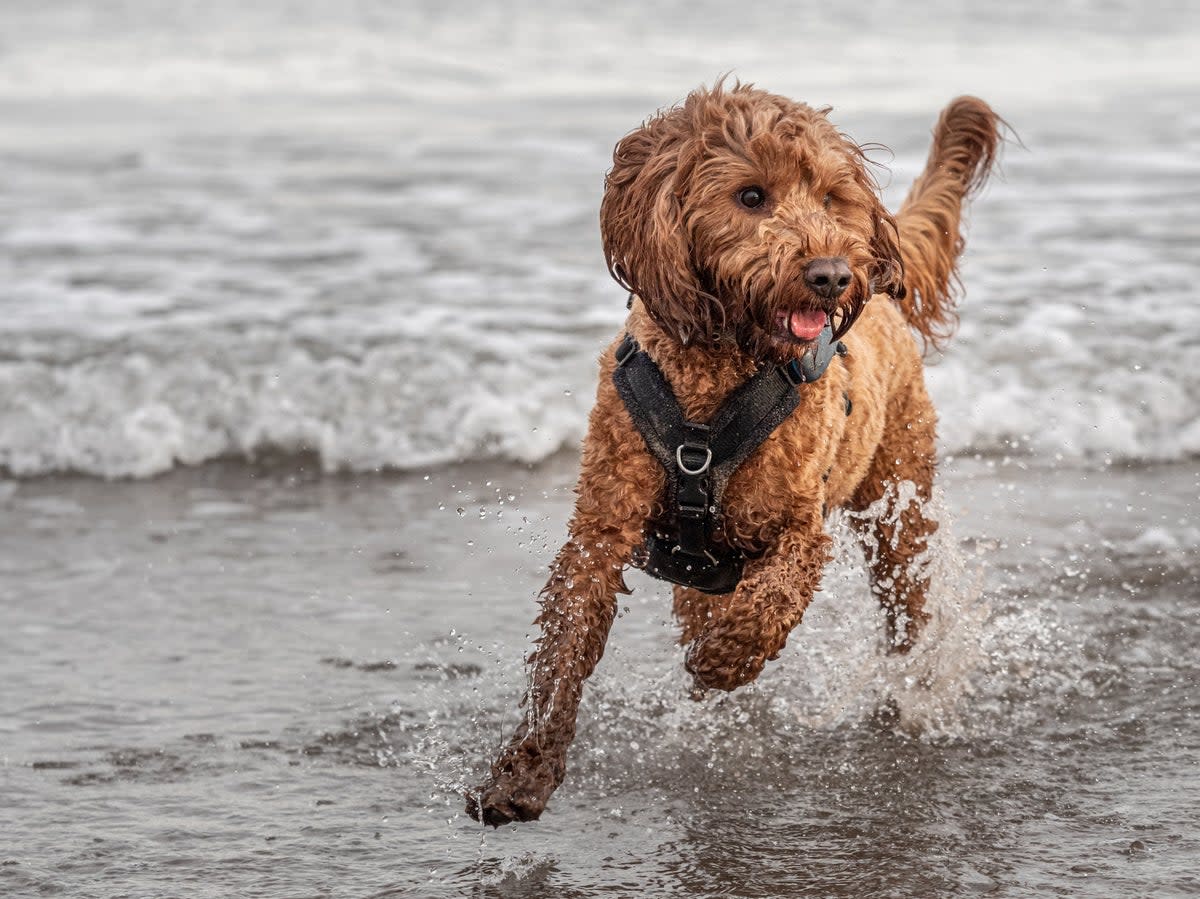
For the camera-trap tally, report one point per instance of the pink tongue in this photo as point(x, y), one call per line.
point(807, 325)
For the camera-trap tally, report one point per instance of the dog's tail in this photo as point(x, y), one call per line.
point(965, 141)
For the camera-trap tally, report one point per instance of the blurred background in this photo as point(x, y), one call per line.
point(369, 230)
point(300, 304)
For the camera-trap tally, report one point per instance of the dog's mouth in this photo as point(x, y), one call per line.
point(800, 325)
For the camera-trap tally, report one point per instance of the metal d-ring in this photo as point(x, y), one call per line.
point(690, 471)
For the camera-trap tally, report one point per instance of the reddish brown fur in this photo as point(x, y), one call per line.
point(964, 148)
point(712, 278)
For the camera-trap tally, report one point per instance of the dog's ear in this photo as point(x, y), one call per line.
point(643, 230)
point(885, 269)
point(888, 269)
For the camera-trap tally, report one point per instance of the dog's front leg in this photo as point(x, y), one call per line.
point(750, 626)
point(578, 606)
point(618, 483)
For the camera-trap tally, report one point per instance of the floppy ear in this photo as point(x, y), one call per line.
point(887, 272)
point(885, 269)
point(644, 234)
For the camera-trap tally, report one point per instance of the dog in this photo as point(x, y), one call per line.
point(746, 228)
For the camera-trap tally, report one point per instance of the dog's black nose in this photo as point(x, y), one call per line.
point(828, 276)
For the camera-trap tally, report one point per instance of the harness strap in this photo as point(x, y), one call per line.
point(699, 459)
point(747, 418)
point(650, 401)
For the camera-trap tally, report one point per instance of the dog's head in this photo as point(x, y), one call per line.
point(741, 214)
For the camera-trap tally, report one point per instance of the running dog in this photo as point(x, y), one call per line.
point(751, 236)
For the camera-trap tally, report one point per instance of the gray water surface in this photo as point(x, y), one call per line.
point(252, 682)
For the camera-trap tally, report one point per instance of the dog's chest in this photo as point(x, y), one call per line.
point(811, 462)
point(784, 477)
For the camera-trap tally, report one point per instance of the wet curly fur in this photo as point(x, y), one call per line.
point(715, 282)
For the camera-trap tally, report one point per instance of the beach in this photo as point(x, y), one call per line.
point(300, 311)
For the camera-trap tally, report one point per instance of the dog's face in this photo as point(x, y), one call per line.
point(742, 215)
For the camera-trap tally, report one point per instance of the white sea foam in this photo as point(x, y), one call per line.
point(137, 415)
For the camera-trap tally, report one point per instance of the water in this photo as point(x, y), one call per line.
point(321, 288)
point(266, 682)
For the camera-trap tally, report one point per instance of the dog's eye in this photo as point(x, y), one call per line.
point(827, 200)
point(752, 197)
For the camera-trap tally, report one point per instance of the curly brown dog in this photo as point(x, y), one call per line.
point(743, 223)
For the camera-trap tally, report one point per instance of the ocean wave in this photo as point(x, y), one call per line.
point(412, 278)
point(139, 414)
point(406, 405)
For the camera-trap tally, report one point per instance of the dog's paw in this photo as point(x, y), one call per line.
point(722, 659)
point(513, 793)
point(504, 803)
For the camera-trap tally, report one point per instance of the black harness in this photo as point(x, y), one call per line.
point(699, 458)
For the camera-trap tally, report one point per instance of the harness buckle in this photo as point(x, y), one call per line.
point(683, 465)
point(625, 350)
point(793, 373)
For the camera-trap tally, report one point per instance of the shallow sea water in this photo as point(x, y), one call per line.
point(299, 310)
point(269, 682)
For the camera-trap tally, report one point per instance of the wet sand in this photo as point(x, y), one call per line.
point(261, 681)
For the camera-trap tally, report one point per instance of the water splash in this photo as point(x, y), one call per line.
point(835, 676)
point(930, 683)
